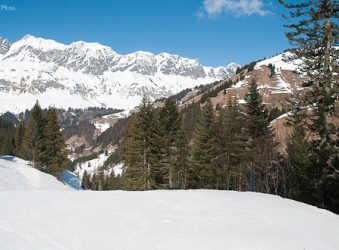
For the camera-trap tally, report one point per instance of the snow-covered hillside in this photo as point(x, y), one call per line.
point(197, 220)
point(90, 74)
point(38, 213)
point(96, 164)
point(16, 174)
point(280, 61)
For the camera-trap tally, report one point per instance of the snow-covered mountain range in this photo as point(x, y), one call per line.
point(85, 74)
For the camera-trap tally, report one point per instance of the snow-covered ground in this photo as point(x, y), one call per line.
point(279, 61)
point(16, 174)
point(92, 166)
point(102, 126)
point(197, 220)
point(37, 213)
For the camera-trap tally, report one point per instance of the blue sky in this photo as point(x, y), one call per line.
point(215, 31)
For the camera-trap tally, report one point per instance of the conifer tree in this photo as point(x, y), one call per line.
point(257, 113)
point(94, 181)
point(101, 181)
point(181, 154)
point(7, 134)
point(19, 141)
point(313, 33)
point(232, 144)
point(263, 153)
point(33, 142)
point(54, 151)
point(139, 152)
point(170, 123)
point(85, 183)
point(203, 164)
point(111, 182)
point(300, 164)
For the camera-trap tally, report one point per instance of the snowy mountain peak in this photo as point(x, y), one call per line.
point(91, 46)
point(4, 46)
point(38, 43)
point(84, 74)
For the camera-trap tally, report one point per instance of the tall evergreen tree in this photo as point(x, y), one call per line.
point(313, 33)
point(33, 142)
point(181, 154)
point(170, 123)
point(232, 145)
point(300, 164)
point(85, 182)
point(263, 153)
point(203, 163)
point(139, 152)
point(257, 113)
point(19, 141)
point(7, 134)
point(54, 149)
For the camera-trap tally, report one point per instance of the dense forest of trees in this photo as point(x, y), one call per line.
point(314, 161)
point(39, 140)
point(208, 147)
point(159, 153)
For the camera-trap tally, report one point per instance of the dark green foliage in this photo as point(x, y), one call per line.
point(53, 154)
point(114, 158)
point(139, 148)
point(257, 113)
point(300, 163)
point(169, 121)
point(86, 181)
point(215, 91)
point(113, 134)
point(181, 154)
point(275, 113)
point(7, 134)
point(19, 141)
point(179, 96)
point(263, 148)
point(85, 158)
point(100, 181)
point(190, 115)
point(313, 33)
point(34, 138)
point(41, 141)
point(232, 143)
point(11, 118)
point(83, 128)
point(155, 148)
point(203, 168)
point(251, 66)
point(242, 76)
point(272, 68)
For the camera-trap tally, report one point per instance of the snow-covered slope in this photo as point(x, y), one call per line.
point(280, 62)
point(89, 74)
point(93, 166)
point(16, 174)
point(180, 220)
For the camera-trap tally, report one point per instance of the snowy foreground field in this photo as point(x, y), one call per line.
point(39, 217)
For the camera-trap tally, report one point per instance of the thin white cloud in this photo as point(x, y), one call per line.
point(214, 8)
